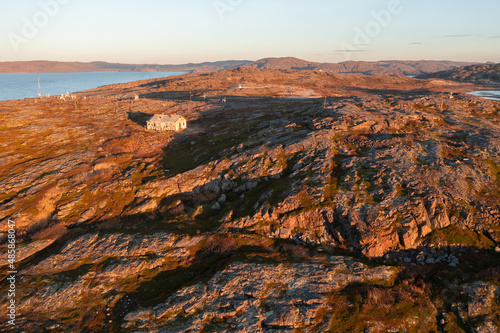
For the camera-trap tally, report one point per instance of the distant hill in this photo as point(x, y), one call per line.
point(480, 72)
point(100, 66)
point(392, 67)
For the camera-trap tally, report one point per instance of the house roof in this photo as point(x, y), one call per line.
point(166, 118)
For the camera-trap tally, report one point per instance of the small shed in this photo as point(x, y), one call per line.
point(162, 122)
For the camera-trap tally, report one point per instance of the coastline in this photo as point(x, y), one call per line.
point(15, 86)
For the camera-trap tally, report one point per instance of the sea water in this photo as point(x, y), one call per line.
point(488, 94)
point(25, 85)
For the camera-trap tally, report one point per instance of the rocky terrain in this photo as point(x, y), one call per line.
point(392, 67)
point(486, 73)
point(308, 201)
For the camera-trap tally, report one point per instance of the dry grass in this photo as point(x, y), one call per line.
point(305, 198)
point(53, 232)
point(220, 244)
point(379, 298)
point(358, 305)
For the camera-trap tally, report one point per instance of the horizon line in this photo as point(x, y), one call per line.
point(236, 60)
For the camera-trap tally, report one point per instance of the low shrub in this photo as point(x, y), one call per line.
point(220, 244)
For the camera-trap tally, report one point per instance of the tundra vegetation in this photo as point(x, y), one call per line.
point(377, 210)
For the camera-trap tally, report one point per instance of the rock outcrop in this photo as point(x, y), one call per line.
point(247, 297)
point(275, 211)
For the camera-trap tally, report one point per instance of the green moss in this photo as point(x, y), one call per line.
point(279, 189)
point(305, 198)
point(359, 305)
point(215, 326)
point(494, 168)
point(282, 158)
point(331, 188)
point(73, 275)
point(400, 191)
point(159, 287)
point(33, 211)
point(455, 235)
point(421, 160)
point(454, 324)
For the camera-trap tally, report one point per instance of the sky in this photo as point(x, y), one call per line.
point(178, 32)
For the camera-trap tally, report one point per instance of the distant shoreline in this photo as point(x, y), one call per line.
point(97, 71)
point(392, 67)
point(42, 66)
point(14, 86)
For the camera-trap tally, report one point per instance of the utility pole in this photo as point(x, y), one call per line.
point(39, 89)
point(324, 104)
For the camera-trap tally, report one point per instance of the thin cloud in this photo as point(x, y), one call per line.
point(350, 51)
point(459, 36)
point(417, 43)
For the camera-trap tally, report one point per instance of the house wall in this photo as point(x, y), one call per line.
point(181, 124)
point(162, 126)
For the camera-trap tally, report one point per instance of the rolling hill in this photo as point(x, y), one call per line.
point(100, 66)
point(480, 72)
point(393, 67)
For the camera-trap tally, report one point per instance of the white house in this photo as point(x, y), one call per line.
point(162, 122)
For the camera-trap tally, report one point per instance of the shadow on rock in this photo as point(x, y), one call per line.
point(139, 118)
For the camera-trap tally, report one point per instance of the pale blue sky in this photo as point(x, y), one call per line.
point(174, 31)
